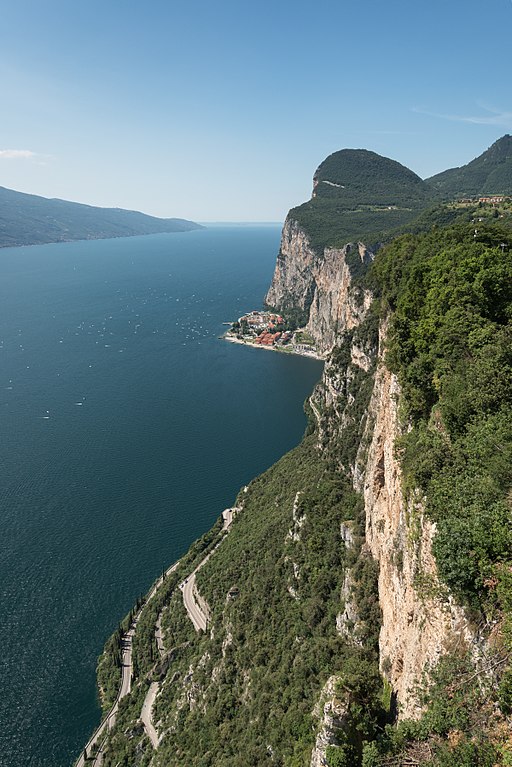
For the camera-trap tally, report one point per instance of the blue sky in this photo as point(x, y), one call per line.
point(222, 111)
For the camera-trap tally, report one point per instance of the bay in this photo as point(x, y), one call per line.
point(127, 427)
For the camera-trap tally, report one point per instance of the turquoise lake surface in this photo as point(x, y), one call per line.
point(127, 427)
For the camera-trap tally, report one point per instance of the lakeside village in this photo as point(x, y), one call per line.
point(268, 330)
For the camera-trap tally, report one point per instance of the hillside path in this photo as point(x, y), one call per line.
point(146, 714)
point(197, 608)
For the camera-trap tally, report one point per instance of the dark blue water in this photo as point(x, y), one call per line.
point(126, 428)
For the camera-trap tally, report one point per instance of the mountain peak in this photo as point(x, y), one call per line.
point(500, 151)
point(489, 173)
point(358, 195)
point(360, 175)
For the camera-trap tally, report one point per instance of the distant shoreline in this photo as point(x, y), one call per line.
point(280, 350)
point(6, 246)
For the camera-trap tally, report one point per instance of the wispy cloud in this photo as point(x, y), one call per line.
point(25, 154)
point(17, 154)
point(391, 132)
point(490, 116)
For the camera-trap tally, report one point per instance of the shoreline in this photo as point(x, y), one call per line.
point(311, 355)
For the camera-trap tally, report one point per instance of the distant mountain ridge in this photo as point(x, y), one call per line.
point(27, 219)
point(488, 174)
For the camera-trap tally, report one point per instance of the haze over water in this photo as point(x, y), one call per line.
point(127, 427)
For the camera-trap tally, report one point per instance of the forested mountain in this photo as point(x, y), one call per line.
point(359, 194)
point(358, 607)
point(488, 174)
point(26, 219)
point(359, 177)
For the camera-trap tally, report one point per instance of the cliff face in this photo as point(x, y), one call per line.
point(318, 285)
point(420, 622)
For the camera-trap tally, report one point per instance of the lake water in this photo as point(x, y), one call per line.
point(127, 426)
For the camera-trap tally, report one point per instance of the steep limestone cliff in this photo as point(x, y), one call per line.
point(319, 286)
point(420, 621)
point(358, 401)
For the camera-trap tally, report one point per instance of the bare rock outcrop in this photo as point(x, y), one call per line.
point(333, 714)
point(420, 621)
point(320, 286)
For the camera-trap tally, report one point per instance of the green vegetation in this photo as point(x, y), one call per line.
point(26, 219)
point(110, 663)
point(359, 177)
point(488, 174)
point(145, 652)
point(293, 316)
point(303, 337)
point(144, 649)
point(331, 223)
point(461, 726)
point(360, 686)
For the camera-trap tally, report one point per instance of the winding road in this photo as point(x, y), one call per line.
point(197, 607)
point(97, 738)
point(124, 689)
point(198, 612)
point(146, 714)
